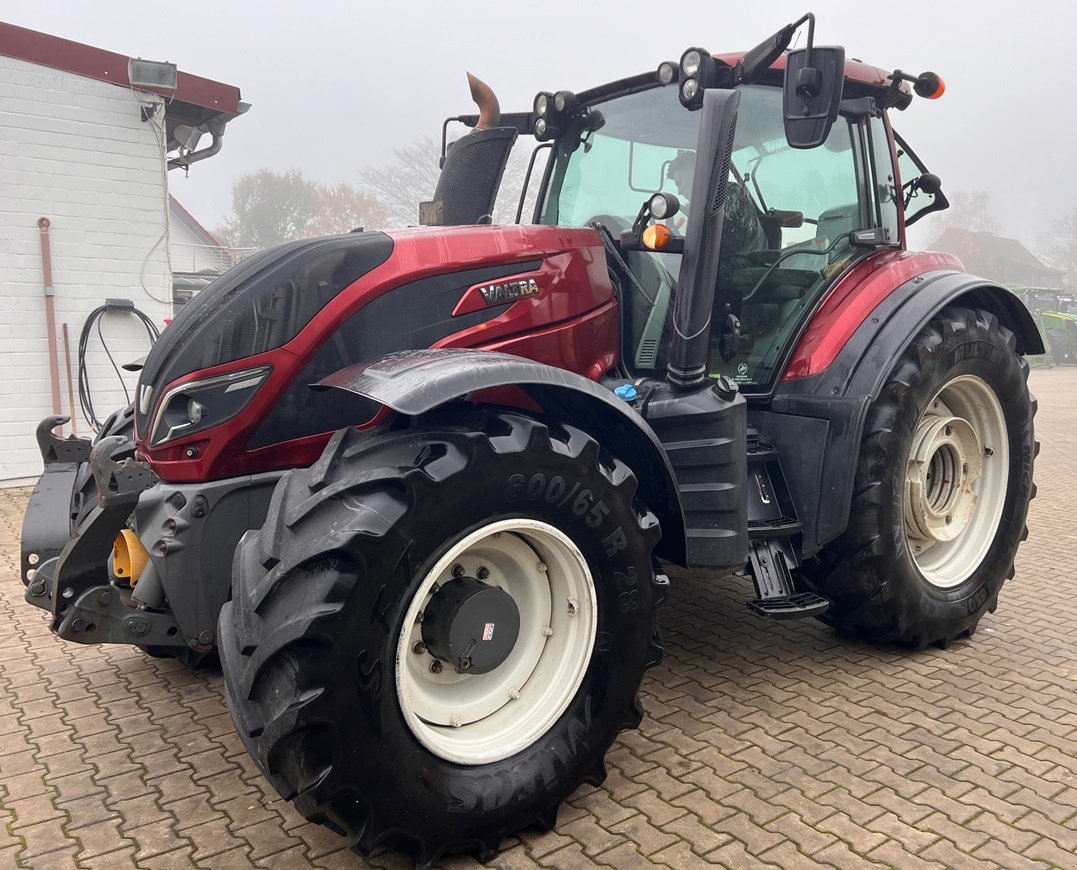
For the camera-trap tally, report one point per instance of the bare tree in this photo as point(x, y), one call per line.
point(1058, 247)
point(342, 208)
point(969, 210)
point(273, 207)
point(400, 186)
point(412, 178)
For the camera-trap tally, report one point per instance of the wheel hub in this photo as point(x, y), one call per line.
point(537, 608)
point(945, 461)
point(471, 625)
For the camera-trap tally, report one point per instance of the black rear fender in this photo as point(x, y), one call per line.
point(817, 422)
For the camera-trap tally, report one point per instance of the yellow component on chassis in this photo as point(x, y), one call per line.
point(129, 557)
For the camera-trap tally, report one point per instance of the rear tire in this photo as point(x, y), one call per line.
point(332, 687)
point(941, 492)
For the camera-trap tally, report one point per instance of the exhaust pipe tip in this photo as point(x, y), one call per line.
point(486, 100)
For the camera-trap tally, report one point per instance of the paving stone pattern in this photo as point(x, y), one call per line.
point(765, 744)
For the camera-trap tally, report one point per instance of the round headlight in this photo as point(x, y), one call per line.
point(659, 207)
point(666, 72)
point(540, 127)
point(690, 62)
point(541, 104)
point(690, 88)
point(195, 411)
point(559, 101)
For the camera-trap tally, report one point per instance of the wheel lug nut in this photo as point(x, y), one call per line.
point(436, 667)
point(419, 648)
point(547, 632)
point(455, 722)
point(541, 566)
point(949, 519)
point(458, 570)
point(483, 572)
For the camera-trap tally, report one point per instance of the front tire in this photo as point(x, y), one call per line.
point(941, 492)
point(354, 652)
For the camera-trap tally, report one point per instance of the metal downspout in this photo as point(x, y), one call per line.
point(50, 312)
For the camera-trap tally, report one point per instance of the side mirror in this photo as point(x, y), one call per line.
point(814, 78)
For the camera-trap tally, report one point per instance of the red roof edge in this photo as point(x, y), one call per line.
point(108, 66)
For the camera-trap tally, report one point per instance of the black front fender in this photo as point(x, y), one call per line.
point(415, 382)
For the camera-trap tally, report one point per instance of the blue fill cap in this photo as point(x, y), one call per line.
point(626, 392)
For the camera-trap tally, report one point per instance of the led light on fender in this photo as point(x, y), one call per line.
point(195, 410)
point(690, 88)
point(656, 237)
point(690, 62)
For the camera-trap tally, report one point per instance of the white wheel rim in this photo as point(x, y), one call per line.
point(472, 718)
point(955, 481)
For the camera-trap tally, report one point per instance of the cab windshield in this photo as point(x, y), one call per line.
point(785, 237)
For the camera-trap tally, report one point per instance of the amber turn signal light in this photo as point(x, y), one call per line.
point(929, 85)
point(656, 237)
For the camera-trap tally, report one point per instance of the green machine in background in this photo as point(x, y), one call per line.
point(1055, 313)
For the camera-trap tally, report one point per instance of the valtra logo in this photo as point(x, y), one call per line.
point(498, 294)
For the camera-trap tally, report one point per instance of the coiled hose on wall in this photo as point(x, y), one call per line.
point(94, 319)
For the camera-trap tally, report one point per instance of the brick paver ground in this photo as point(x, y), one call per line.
point(765, 744)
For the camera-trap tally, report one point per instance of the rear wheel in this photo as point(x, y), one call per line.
point(439, 631)
point(942, 488)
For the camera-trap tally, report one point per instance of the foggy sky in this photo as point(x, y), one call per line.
point(335, 86)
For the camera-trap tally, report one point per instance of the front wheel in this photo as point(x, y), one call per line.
point(440, 630)
point(942, 488)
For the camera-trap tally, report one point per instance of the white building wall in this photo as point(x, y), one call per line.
point(74, 150)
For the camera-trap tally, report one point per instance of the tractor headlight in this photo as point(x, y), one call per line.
point(667, 72)
point(552, 113)
point(198, 405)
point(690, 62)
point(698, 71)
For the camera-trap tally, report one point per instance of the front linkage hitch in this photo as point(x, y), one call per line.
point(86, 606)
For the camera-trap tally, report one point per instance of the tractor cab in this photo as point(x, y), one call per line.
point(798, 186)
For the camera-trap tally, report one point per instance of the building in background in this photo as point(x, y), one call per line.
point(84, 158)
point(999, 259)
point(195, 255)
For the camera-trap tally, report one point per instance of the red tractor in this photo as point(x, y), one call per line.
point(418, 488)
